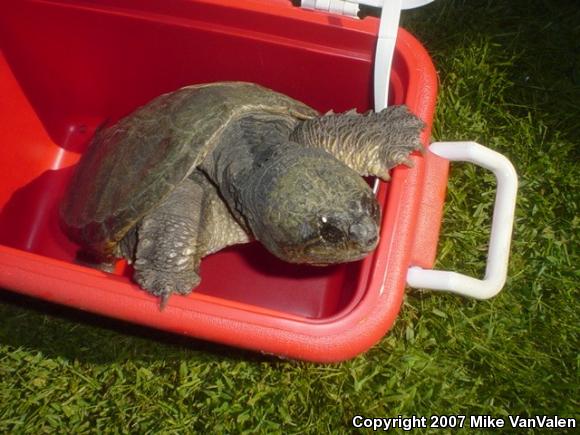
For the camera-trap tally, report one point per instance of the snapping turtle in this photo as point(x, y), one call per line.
point(212, 165)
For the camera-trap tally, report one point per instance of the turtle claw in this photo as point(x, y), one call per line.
point(164, 284)
point(164, 300)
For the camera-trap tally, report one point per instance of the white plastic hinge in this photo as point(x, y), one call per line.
point(386, 39)
point(340, 7)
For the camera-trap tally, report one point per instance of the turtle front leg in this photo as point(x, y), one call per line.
point(167, 253)
point(369, 143)
point(168, 245)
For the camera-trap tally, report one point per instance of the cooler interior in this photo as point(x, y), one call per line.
point(68, 66)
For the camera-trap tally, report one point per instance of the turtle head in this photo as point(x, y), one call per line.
point(317, 211)
point(344, 231)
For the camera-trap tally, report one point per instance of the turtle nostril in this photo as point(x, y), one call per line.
point(372, 239)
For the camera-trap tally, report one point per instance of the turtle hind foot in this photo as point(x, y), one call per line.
point(165, 283)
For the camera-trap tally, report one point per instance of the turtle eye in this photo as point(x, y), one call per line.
point(330, 232)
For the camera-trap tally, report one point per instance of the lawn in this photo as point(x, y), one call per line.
point(510, 79)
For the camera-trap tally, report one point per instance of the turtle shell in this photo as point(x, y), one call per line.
point(131, 166)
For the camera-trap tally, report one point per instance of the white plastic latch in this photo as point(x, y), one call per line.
point(501, 226)
point(387, 37)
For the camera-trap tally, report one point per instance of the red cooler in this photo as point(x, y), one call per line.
point(68, 65)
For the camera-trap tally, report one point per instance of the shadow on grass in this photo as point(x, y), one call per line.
point(62, 332)
point(540, 42)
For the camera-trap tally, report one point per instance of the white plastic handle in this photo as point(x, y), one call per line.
point(501, 226)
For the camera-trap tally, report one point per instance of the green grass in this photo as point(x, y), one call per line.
point(510, 79)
